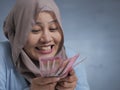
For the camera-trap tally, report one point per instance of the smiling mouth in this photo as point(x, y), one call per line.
point(45, 49)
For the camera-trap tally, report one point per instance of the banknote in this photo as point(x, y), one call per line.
point(56, 66)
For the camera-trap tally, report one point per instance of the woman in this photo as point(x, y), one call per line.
point(34, 31)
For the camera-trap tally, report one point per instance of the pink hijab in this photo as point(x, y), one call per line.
point(17, 26)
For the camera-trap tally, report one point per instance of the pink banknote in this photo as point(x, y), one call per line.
point(56, 66)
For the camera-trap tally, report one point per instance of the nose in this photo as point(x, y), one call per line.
point(46, 37)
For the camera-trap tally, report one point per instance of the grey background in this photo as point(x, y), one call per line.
point(92, 27)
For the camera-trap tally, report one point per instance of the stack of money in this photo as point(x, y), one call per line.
point(56, 66)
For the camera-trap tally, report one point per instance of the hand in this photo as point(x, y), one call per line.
point(41, 83)
point(67, 83)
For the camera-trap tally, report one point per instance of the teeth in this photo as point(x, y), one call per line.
point(45, 48)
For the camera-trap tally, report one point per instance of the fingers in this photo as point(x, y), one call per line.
point(68, 83)
point(43, 81)
point(52, 86)
point(72, 72)
point(66, 86)
point(71, 78)
point(43, 87)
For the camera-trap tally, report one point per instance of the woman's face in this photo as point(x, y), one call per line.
point(45, 38)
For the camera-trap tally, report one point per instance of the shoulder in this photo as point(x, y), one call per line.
point(4, 47)
point(10, 79)
point(5, 52)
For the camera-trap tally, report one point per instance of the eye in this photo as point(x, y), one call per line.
point(52, 29)
point(35, 31)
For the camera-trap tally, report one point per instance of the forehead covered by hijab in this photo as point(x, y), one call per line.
point(19, 21)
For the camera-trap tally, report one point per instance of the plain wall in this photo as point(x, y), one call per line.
point(92, 27)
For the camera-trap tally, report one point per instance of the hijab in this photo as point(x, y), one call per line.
point(16, 27)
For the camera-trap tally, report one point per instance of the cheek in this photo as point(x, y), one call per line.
point(30, 44)
point(32, 40)
point(58, 38)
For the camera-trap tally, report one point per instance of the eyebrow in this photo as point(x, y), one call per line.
point(55, 20)
point(52, 21)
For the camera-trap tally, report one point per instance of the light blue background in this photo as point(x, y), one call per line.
point(92, 27)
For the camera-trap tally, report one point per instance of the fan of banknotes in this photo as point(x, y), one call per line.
point(56, 66)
